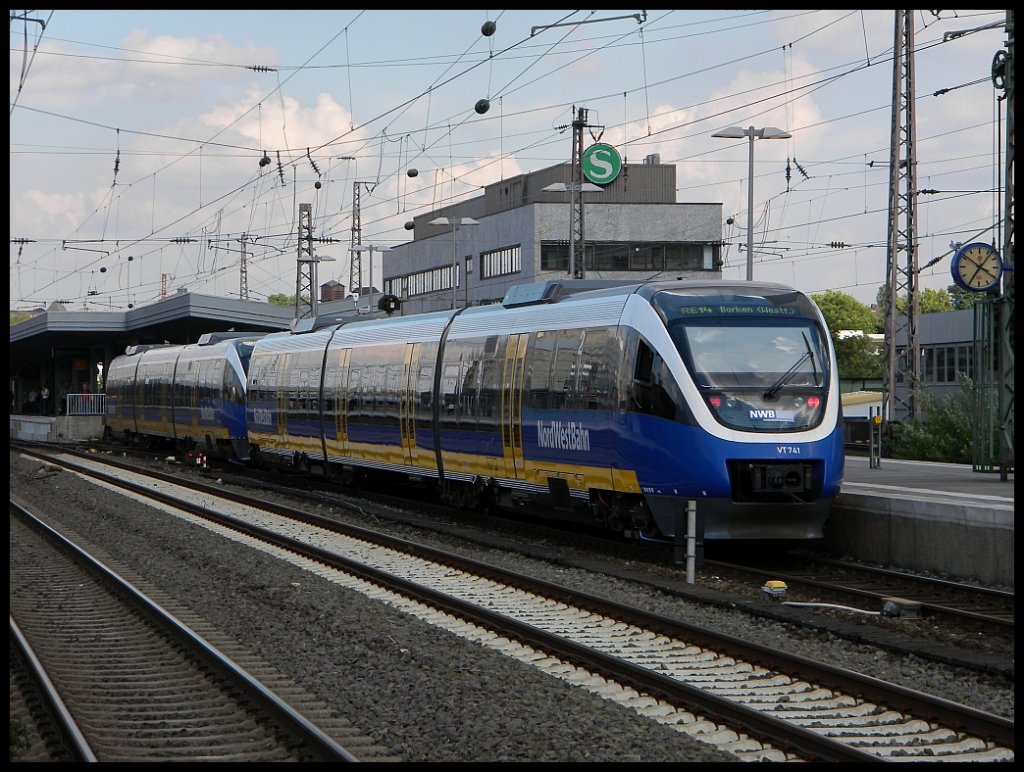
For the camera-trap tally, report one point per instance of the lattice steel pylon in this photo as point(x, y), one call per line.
point(902, 367)
point(243, 270)
point(355, 266)
point(577, 248)
point(305, 274)
point(355, 271)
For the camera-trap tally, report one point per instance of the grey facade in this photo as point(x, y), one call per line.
point(946, 342)
point(633, 230)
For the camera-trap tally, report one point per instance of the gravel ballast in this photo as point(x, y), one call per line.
point(419, 691)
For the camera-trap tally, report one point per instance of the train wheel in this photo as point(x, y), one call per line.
point(255, 458)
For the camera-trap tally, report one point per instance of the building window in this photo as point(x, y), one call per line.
point(944, 364)
point(554, 256)
point(965, 360)
point(640, 256)
point(501, 262)
point(422, 283)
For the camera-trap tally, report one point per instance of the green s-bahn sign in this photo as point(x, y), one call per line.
point(601, 163)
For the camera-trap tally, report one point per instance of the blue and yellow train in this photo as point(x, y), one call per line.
point(193, 395)
point(615, 405)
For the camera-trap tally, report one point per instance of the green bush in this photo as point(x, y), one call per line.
point(946, 431)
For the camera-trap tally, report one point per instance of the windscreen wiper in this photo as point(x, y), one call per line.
point(784, 378)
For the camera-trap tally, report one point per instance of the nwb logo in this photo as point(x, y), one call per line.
point(762, 414)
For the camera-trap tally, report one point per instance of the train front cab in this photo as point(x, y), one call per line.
point(208, 399)
point(761, 377)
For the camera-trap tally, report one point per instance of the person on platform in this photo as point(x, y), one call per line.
point(33, 401)
point(44, 399)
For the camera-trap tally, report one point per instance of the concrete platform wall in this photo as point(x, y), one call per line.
point(967, 542)
point(62, 428)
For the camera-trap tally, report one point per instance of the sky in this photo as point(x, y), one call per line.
point(136, 137)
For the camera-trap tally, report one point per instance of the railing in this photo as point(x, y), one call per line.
point(84, 404)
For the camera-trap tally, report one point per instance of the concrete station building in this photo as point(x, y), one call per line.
point(633, 229)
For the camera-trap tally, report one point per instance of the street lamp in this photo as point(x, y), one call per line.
point(577, 190)
point(456, 223)
point(735, 132)
point(369, 248)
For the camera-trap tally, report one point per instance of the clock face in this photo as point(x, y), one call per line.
point(977, 267)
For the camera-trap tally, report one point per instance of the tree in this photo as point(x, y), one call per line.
point(285, 300)
point(843, 312)
point(929, 301)
point(961, 299)
point(857, 355)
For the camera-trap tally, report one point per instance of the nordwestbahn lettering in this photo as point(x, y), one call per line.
point(562, 436)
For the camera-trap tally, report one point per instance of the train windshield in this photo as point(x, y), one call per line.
point(760, 361)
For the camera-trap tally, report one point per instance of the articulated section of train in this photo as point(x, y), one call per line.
point(614, 405)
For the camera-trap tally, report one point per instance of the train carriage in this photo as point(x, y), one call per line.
point(617, 405)
point(192, 395)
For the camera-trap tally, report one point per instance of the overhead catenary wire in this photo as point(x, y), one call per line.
point(451, 136)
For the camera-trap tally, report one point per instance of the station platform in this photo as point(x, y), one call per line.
point(928, 516)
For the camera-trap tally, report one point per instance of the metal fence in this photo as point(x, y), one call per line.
point(84, 404)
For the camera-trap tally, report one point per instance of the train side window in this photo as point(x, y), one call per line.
point(392, 391)
point(330, 387)
point(665, 394)
point(538, 369)
point(595, 370)
point(644, 363)
point(425, 389)
point(489, 402)
point(355, 391)
point(654, 390)
point(640, 389)
point(563, 373)
point(450, 383)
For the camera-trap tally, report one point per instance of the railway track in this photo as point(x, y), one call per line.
point(117, 678)
point(886, 591)
point(814, 583)
point(757, 703)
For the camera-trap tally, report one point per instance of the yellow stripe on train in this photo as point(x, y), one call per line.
point(578, 477)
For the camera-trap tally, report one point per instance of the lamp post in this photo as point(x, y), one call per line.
point(577, 190)
point(456, 223)
point(369, 248)
point(735, 132)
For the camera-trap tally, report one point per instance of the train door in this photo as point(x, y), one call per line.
point(512, 406)
point(339, 385)
point(407, 403)
point(284, 395)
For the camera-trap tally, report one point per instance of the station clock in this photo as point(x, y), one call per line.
point(977, 267)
